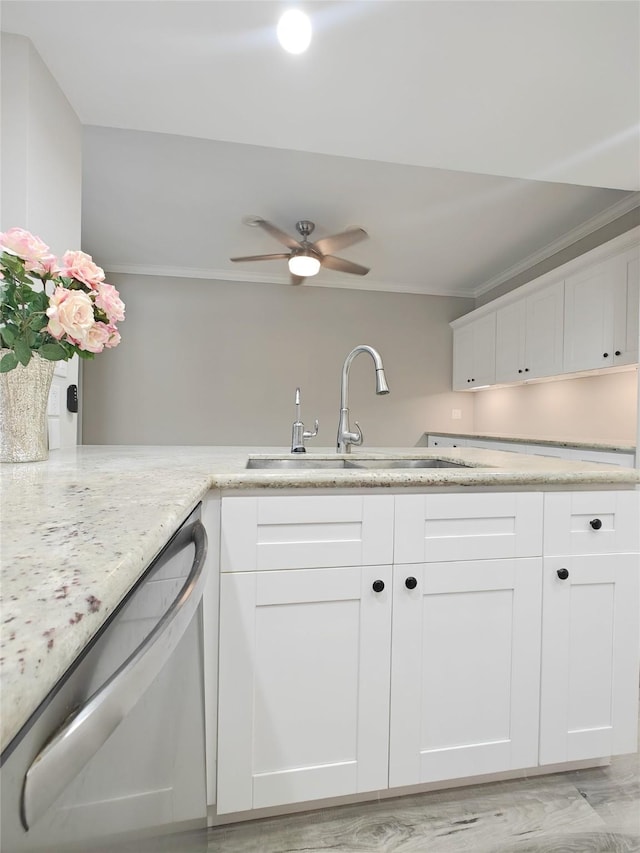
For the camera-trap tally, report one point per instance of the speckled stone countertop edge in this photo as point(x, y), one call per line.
point(610, 446)
point(79, 530)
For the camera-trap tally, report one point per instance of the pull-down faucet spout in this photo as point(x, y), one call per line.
point(345, 437)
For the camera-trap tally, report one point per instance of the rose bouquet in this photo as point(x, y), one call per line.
point(56, 308)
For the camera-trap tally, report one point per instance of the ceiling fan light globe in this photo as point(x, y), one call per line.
point(294, 31)
point(304, 265)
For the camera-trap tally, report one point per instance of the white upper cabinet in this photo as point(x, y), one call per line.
point(581, 316)
point(474, 353)
point(626, 319)
point(601, 315)
point(529, 335)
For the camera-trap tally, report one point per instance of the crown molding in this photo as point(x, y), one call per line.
point(266, 278)
point(610, 214)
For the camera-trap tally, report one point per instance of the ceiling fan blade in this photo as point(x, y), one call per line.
point(280, 236)
point(341, 265)
point(326, 245)
point(297, 279)
point(275, 257)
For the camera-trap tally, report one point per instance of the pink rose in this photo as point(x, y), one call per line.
point(49, 266)
point(114, 337)
point(80, 266)
point(108, 299)
point(32, 250)
point(70, 313)
point(96, 338)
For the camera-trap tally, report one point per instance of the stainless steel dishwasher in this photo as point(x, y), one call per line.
point(117, 748)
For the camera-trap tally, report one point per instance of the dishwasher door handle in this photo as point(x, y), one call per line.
point(64, 756)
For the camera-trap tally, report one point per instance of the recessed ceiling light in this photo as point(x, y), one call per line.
point(294, 31)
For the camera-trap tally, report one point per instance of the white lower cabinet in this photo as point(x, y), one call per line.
point(589, 689)
point(345, 679)
point(590, 656)
point(465, 669)
point(304, 684)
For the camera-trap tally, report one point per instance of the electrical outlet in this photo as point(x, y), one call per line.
point(456, 414)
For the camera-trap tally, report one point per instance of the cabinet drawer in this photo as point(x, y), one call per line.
point(306, 532)
point(591, 522)
point(441, 528)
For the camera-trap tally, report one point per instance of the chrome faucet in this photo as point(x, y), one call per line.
point(298, 432)
point(345, 437)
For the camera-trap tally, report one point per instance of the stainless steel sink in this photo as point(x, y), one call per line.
point(311, 463)
point(404, 463)
point(296, 462)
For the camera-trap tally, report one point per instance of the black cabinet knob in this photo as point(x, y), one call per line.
point(519, 370)
point(596, 523)
point(563, 574)
point(411, 583)
point(605, 355)
point(526, 370)
point(468, 380)
point(617, 352)
point(378, 586)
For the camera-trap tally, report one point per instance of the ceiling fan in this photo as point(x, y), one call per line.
point(306, 258)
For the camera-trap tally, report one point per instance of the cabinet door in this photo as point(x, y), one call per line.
point(627, 311)
point(465, 669)
point(589, 317)
point(544, 332)
point(589, 695)
point(474, 353)
point(510, 342)
point(304, 685)
point(462, 357)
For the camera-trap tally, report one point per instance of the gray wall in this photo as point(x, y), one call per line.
point(41, 163)
point(210, 362)
point(41, 178)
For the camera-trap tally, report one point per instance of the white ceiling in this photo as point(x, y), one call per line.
point(467, 138)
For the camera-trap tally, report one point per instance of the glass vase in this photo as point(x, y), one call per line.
point(24, 394)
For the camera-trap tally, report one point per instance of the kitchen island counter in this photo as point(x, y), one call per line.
point(79, 529)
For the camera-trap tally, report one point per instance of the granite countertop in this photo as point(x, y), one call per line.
point(78, 530)
point(618, 446)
